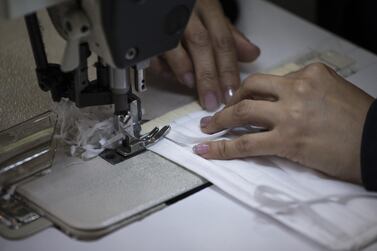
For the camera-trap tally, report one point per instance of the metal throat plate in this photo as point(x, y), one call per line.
point(88, 199)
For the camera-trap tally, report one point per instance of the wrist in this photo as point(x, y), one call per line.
point(368, 154)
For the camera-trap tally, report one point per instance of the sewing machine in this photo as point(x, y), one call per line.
point(98, 196)
point(122, 38)
point(206, 220)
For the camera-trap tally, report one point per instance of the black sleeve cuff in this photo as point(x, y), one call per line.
point(368, 155)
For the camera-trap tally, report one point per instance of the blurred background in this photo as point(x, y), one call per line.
point(354, 20)
point(304, 8)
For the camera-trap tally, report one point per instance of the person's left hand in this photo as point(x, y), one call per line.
point(208, 55)
point(313, 117)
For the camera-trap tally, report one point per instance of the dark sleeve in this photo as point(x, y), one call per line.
point(368, 155)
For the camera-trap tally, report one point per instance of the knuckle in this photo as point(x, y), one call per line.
point(222, 149)
point(229, 71)
point(198, 38)
point(224, 44)
point(315, 69)
point(243, 145)
point(303, 86)
point(296, 113)
point(241, 111)
point(207, 76)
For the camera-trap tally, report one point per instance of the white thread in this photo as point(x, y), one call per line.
point(88, 131)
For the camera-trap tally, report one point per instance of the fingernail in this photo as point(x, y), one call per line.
point(201, 149)
point(205, 121)
point(189, 79)
point(228, 95)
point(210, 101)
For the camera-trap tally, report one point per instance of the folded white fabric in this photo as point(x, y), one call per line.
point(335, 214)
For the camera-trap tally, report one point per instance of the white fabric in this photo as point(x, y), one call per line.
point(338, 215)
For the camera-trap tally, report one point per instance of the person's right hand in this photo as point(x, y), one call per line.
point(312, 116)
point(207, 57)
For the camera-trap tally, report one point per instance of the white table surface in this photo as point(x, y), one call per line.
point(209, 220)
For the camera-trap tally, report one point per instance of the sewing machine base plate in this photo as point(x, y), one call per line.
point(89, 199)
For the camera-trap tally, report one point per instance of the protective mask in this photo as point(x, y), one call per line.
point(335, 214)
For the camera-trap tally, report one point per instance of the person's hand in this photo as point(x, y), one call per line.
point(208, 55)
point(313, 117)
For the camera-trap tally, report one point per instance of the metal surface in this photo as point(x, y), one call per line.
point(98, 191)
point(26, 230)
point(209, 220)
point(120, 80)
point(20, 96)
point(139, 76)
point(74, 22)
point(26, 149)
point(132, 146)
point(112, 156)
point(14, 213)
point(91, 198)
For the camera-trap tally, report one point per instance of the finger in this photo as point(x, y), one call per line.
point(160, 67)
point(197, 41)
point(314, 70)
point(248, 112)
point(224, 48)
point(250, 145)
point(157, 66)
point(294, 74)
point(260, 85)
point(246, 50)
point(311, 70)
point(180, 63)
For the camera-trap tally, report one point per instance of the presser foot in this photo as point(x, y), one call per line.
point(131, 146)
